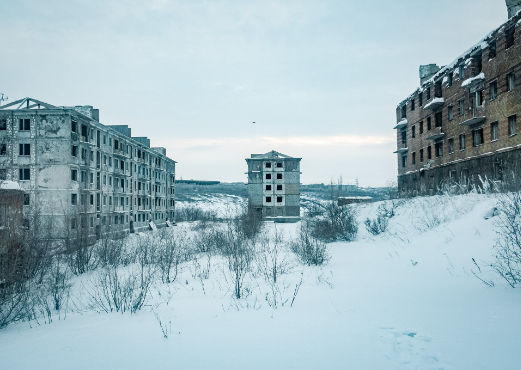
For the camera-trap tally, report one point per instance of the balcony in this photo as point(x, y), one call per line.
point(435, 103)
point(478, 116)
point(474, 82)
point(401, 124)
point(436, 134)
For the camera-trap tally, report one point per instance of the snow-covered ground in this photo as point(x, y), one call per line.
point(406, 299)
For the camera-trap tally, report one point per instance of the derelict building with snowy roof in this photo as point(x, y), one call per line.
point(462, 124)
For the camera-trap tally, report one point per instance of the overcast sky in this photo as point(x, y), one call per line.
point(321, 79)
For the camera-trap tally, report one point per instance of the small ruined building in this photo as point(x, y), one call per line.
point(462, 124)
point(81, 176)
point(274, 186)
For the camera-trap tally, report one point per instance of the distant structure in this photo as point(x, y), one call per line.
point(461, 125)
point(274, 186)
point(197, 182)
point(83, 176)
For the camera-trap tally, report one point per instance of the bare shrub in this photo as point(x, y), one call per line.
point(336, 223)
point(194, 213)
point(172, 251)
point(508, 238)
point(250, 222)
point(272, 258)
point(379, 225)
point(309, 249)
point(239, 252)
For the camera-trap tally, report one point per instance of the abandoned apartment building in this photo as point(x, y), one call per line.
point(461, 126)
point(274, 186)
point(82, 175)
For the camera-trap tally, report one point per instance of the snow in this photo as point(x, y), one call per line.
point(434, 102)
point(407, 299)
point(469, 81)
point(9, 185)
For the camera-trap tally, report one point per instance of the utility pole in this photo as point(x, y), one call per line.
point(2, 98)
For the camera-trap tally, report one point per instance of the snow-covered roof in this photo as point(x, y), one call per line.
point(270, 155)
point(9, 185)
point(436, 102)
point(470, 81)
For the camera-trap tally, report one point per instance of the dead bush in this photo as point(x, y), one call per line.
point(310, 250)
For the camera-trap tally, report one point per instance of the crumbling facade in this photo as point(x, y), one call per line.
point(462, 124)
point(82, 175)
point(274, 185)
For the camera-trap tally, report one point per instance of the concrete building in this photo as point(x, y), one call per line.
point(274, 185)
point(81, 174)
point(461, 125)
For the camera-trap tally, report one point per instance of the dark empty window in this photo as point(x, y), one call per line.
point(3, 124)
point(492, 49)
point(268, 164)
point(494, 131)
point(428, 123)
point(279, 187)
point(279, 176)
point(512, 125)
point(462, 142)
point(404, 111)
point(3, 149)
point(404, 136)
point(74, 126)
point(438, 119)
point(413, 131)
point(74, 199)
point(25, 174)
point(268, 187)
point(279, 164)
point(509, 37)
point(420, 99)
point(449, 79)
point(511, 81)
point(438, 148)
point(437, 90)
point(451, 145)
point(493, 90)
point(404, 161)
point(27, 199)
point(268, 199)
point(279, 199)
point(268, 176)
point(74, 151)
point(414, 158)
point(412, 104)
point(421, 155)
point(428, 92)
point(25, 124)
point(461, 106)
point(451, 112)
point(429, 152)
point(25, 149)
point(461, 71)
point(421, 127)
point(477, 137)
point(74, 175)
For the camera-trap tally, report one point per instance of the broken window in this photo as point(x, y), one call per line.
point(25, 149)
point(462, 142)
point(84, 132)
point(27, 199)
point(421, 155)
point(74, 151)
point(74, 175)
point(413, 132)
point(509, 37)
point(491, 49)
point(3, 174)
point(404, 136)
point(3, 124)
point(461, 71)
point(428, 123)
point(477, 137)
point(429, 152)
point(25, 174)
point(451, 145)
point(412, 104)
point(493, 90)
point(74, 199)
point(268, 176)
point(421, 127)
point(268, 199)
point(511, 81)
point(428, 93)
point(279, 164)
point(479, 98)
point(268, 164)
point(438, 119)
point(449, 79)
point(279, 176)
point(268, 187)
point(74, 126)
point(404, 111)
point(420, 98)
point(438, 148)
point(279, 199)
point(92, 177)
point(3, 149)
point(279, 187)
point(437, 90)
point(512, 125)
point(25, 124)
point(404, 161)
point(461, 107)
point(414, 158)
point(494, 131)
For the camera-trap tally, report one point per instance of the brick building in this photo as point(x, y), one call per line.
point(274, 185)
point(462, 125)
point(82, 174)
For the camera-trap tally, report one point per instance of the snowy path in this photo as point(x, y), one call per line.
point(386, 302)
